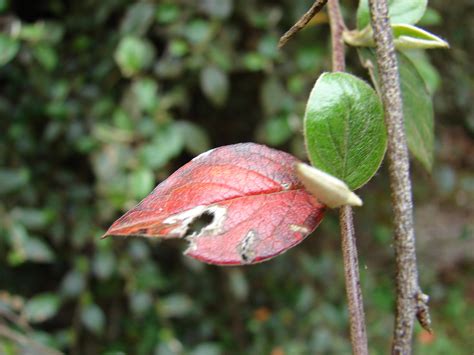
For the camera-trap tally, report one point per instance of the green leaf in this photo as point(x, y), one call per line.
point(46, 56)
point(93, 318)
point(400, 11)
point(417, 106)
point(38, 251)
point(42, 307)
point(12, 180)
point(196, 140)
point(217, 8)
point(134, 54)
point(138, 19)
point(214, 84)
point(404, 37)
point(9, 47)
point(277, 130)
point(344, 128)
point(145, 91)
point(412, 37)
point(430, 74)
point(166, 144)
point(141, 183)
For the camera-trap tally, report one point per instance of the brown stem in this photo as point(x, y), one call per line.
point(337, 28)
point(410, 299)
point(349, 248)
point(302, 22)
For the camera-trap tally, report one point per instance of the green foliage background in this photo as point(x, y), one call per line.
point(101, 100)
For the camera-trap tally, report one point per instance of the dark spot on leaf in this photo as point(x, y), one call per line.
point(199, 223)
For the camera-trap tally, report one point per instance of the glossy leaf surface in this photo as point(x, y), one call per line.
point(258, 206)
point(417, 106)
point(344, 128)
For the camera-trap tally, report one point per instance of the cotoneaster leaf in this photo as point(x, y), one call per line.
point(344, 128)
point(417, 106)
point(400, 11)
point(257, 206)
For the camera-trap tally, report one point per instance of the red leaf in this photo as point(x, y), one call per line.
point(260, 209)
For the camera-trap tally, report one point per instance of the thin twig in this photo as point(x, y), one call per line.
point(337, 28)
point(23, 341)
point(302, 22)
point(349, 248)
point(410, 300)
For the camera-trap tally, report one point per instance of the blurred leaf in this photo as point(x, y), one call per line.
point(214, 84)
point(145, 91)
point(9, 47)
point(133, 55)
point(206, 349)
point(400, 12)
point(430, 74)
point(93, 318)
point(38, 251)
point(73, 283)
point(196, 140)
point(417, 107)
point(238, 284)
point(198, 31)
point(277, 130)
point(166, 144)
point(140, 302)
point(273, 96)
point(141, 183)
point(176, 305)
point(167, 13)
point(431, 17)
point(42, 307)
point(41, 31)
point(217, 8)
point(104, 264)
point(344, 128)
point(46, 56)
point(33, 218)
point(138, 19)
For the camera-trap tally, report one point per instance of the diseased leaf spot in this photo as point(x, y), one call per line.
point(299, 229)
point(199, 223)
point(246, 248)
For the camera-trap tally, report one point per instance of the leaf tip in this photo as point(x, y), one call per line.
point(328, 189)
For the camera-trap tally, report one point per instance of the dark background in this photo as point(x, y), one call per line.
point(101, 100)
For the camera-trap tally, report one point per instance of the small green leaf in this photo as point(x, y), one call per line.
point(214, 84)
point(134, 54)
point(417, 106)
point(46, 56)
point(38, 251)
point(412, 37)
point(11, 180)
point(217, 8)
point(344, 128)
point(277, 130)
point(93, 318)
point(138, 19)
point(400, 11)
point(196, 139)
point(9, 47)
point(141, 183)
point(404, 37)
point(145, 92)
point(42, 307)
point(165, 145)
